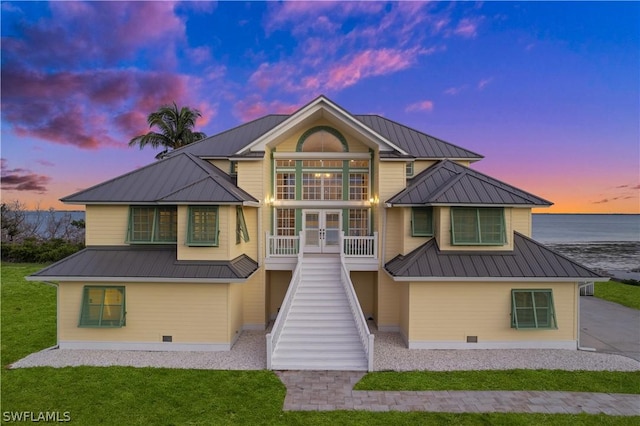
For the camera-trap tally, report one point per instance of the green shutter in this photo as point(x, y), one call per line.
point(202, 229)
point(102, 307)
point(242, 234)
point(477, 226)
point(533, 309)
point(422, 221)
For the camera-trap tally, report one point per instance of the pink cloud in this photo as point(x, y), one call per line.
point(420, 106)
point(368, 63)
point(254, 107)
point(45, 163)
point(467, 27)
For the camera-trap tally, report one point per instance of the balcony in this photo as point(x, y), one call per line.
point(360, 253)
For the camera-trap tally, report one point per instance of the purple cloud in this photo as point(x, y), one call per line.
point(73, 88)
point(420, 106)
point(22, 179)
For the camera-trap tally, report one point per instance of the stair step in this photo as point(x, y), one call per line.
point(350, 346)
point(310, 315)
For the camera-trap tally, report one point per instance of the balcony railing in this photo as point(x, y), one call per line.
point(352, 246)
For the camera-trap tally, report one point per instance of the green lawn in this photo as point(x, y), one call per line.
point(125, 395)
point(543, 380)
point(624, 294)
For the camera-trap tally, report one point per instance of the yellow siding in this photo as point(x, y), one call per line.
point(388, 315)
point(521, 221)
point(443, 221)
point(421, 165)
point(251, 178)
point(106, 225)
point(224, 165)
point(235, 311)
point(191, 313)
point(221, 252)
point(451, 311)
point(405, 310)
point(278, 284)
point(254, 305)
point(364, 283)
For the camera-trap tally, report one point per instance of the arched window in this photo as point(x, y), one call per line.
point(322, 139)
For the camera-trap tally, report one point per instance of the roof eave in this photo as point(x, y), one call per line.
point(135, 279)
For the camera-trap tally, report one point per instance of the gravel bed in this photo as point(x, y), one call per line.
point(249, 353)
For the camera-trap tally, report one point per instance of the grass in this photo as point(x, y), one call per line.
point(137, 396)
point(541, 380)
point(624, 294)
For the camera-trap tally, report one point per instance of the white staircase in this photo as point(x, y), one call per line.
point(319, 332)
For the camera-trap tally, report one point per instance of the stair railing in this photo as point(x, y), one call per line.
point(278, 325)
point(366, 338)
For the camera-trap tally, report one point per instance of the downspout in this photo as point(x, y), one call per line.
point(260, 253)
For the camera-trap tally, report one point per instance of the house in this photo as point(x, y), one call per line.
point(320, 221)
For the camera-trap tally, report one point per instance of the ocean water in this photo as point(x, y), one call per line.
point(606, 242)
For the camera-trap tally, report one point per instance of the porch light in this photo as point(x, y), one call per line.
point(269, 201)
point(374, 201)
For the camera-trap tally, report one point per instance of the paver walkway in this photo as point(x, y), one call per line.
point(333, 390)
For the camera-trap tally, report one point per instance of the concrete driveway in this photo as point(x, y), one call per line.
point(609, 327)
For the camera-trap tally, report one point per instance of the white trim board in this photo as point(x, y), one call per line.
point(516, 344)
point(145, 346)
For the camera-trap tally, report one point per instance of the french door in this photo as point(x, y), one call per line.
point(321, 230)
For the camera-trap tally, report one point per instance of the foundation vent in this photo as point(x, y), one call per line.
point(472, 339)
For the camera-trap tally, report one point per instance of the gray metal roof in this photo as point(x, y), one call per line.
point(529, 259)
point(180, 178)
point(143, 263)
point(227, 143)
point(418, 144)
point(449, 183)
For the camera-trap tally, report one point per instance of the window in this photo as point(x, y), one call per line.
point(358, 186)
point(409, 169)
point(358, 222)
point(322, 186)
point(233, 168)
point(242, 234)
point(203, 226)
point(286, 222)
point(322, 139)
point(532, 309)
point(481, 226)
point(422, 222)
point(153, 224)
point(285, 186)
point(102, 307)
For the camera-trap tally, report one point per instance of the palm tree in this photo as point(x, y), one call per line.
point(175, 129)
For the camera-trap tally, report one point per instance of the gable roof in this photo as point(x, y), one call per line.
point(398, 140)
point(449, 183)
point(143, 264)
point(182, 178)
point(529, 260)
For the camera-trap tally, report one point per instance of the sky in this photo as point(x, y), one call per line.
point(548, 92)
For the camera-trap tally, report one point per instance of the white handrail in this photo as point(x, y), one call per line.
point(278, 325)
point(281, 245)
point(361, 323)
point(360, 246)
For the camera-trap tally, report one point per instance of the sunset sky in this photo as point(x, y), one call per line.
point(547, 92)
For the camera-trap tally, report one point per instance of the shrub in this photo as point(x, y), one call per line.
point(32, 250)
